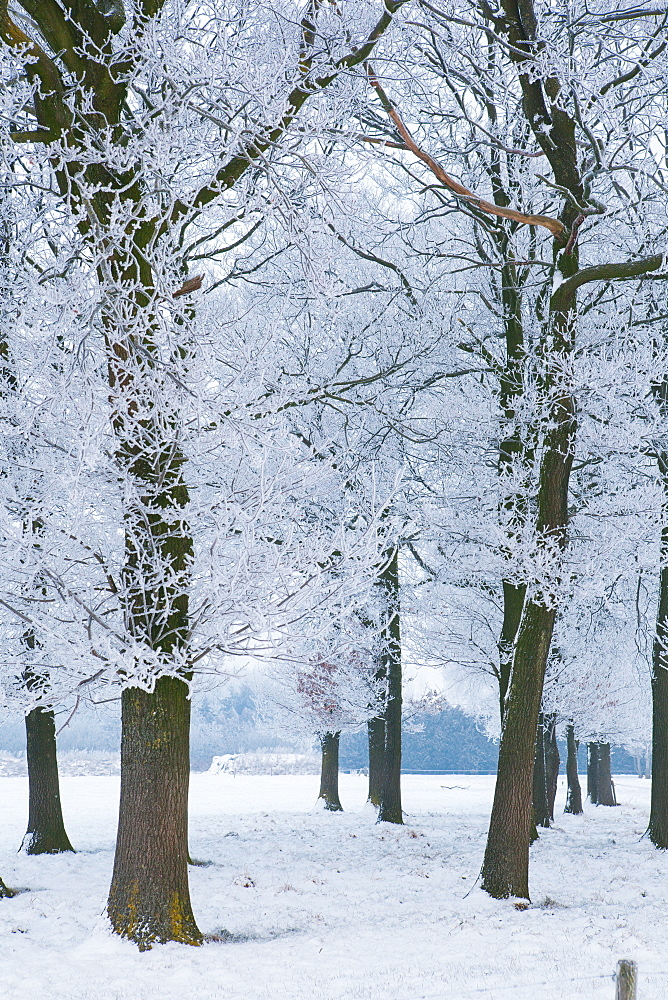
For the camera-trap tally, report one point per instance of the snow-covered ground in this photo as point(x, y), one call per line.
point(316, 906)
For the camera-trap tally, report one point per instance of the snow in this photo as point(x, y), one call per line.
point(69, 762)
point(308, 904)
point(266, 763)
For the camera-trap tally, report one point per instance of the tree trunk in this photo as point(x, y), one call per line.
point(5, 893)
point(376, 733)
point(149, 899)
point(329, 772)
point(505, 870)
point(574, 794)
point(541, 806)
point(658, 816)
point(545, 770)
point(552, 761)
point(390, 810)
point(46, 830)
point(605, 786)
point(513, 602)
point(592, 773)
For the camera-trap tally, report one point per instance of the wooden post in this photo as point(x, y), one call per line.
point(627, 977)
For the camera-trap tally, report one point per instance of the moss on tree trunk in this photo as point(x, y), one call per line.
point(149, 899)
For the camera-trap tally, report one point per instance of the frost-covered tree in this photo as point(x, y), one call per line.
point(320, 701)
point(371, 326)
point(528, 82)
point(22, 225)
point(151, 127)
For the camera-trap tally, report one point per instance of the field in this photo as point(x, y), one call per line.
point(305, 905)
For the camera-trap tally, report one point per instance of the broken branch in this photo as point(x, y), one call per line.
point(556, 227)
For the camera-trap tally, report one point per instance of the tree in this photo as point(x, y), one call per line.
point(333, 694)
point(22, 226)
point(389, 810)
point(329, 773)
point(658, 820)
point(329, 691)
point(46, 830)
point(386, 354)
point(574, 793)
point(104, 95)
point(554, 112)
point(546, 770)
point(599, 684)
point(600, 787)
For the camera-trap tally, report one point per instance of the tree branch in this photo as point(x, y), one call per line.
point(562, 297)
point(61, 33)
point(49, 99)
point(367, 255)
point(237, 165)
point(556, 227)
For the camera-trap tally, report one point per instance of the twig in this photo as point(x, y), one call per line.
point(70, 717)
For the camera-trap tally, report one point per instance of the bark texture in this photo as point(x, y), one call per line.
point(329, 772)
point(541, 805)
point(546, 770)
point(376, 736)
point(390, 810)
point(552, 761)
point(149, 899)
point(505, 869)
point(46, 829)
point(658, 816)
point(600, 786)
point(574, 793)
point(513, 603)
point(592, 773)
point(605, 784)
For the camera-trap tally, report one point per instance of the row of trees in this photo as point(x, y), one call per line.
point(327, 333)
